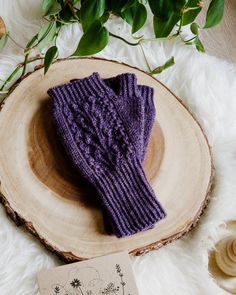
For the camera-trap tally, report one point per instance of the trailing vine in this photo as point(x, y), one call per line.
point(169, 17)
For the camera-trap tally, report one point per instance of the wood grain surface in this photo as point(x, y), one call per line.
point(41, 190)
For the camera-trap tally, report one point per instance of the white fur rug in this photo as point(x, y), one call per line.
point(208, 86)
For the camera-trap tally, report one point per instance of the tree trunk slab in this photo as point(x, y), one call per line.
point(41, 190)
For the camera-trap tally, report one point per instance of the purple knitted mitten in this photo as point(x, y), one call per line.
point(97, 139)
point(145, 117)
point(118, 84)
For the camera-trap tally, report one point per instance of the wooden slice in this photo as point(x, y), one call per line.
point(41, 190)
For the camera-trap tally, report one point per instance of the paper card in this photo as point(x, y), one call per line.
point(106, 275)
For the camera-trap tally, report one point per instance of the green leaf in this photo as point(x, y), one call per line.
point(199, 45)
point(46, 34)
point(91, 10)
point(194, 28)
point(163, 9)
point(93, 41)
point(128, 4)
point(104, 17)
point(190, 15)
point(49, 57)
point(32, 41)
point(128, 15)
point(135, 16)
point(140, 16)
point(178, 5)
point(65, 14)
point(163, 28)
point(170, 62)
point(50, 7)
point(45, 29)
point(214, 13)
point(117, 6)
point(3, 41)
point(167, 13)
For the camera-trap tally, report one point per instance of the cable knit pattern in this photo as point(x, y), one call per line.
point(145, 117)
point(136, 105)
point(98, 131)
point(96, 137)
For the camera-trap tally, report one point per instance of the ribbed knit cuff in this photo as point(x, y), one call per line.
point(149, 114)
point(129, 199)
point(124, 84)
point(91, 85)
point(146, 92)
point(121, 85)
point(94, 84)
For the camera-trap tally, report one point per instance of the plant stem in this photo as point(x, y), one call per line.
point(145, 58)
point(34, 59)
point(17, 68)
point(73, 11)
point(11, 76)
point(25, 64)
point(44, 17)
point(142, 40)
point(191, 8)
point(56, 36)
point(180, 25)
point(27, 61)
point(157, 39)
point(189, 40)
point(44, 36)
point(138, 37)
point(16, 43)
point(29, 49)
point(71, 21)
point(127, 42)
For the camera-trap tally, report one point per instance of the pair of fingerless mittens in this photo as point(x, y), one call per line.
point(105, 127)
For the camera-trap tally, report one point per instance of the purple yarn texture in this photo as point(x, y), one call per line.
point(145, 118)
point(105, 141)
point(145, 115)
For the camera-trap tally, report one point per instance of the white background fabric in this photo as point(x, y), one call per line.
point(208, 86)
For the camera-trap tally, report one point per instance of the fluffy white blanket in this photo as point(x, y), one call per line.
point(208, 86)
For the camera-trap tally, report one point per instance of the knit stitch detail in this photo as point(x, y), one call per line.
point(129, 199)
point(127, 93)
point(95, 136)
point(96, 128)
